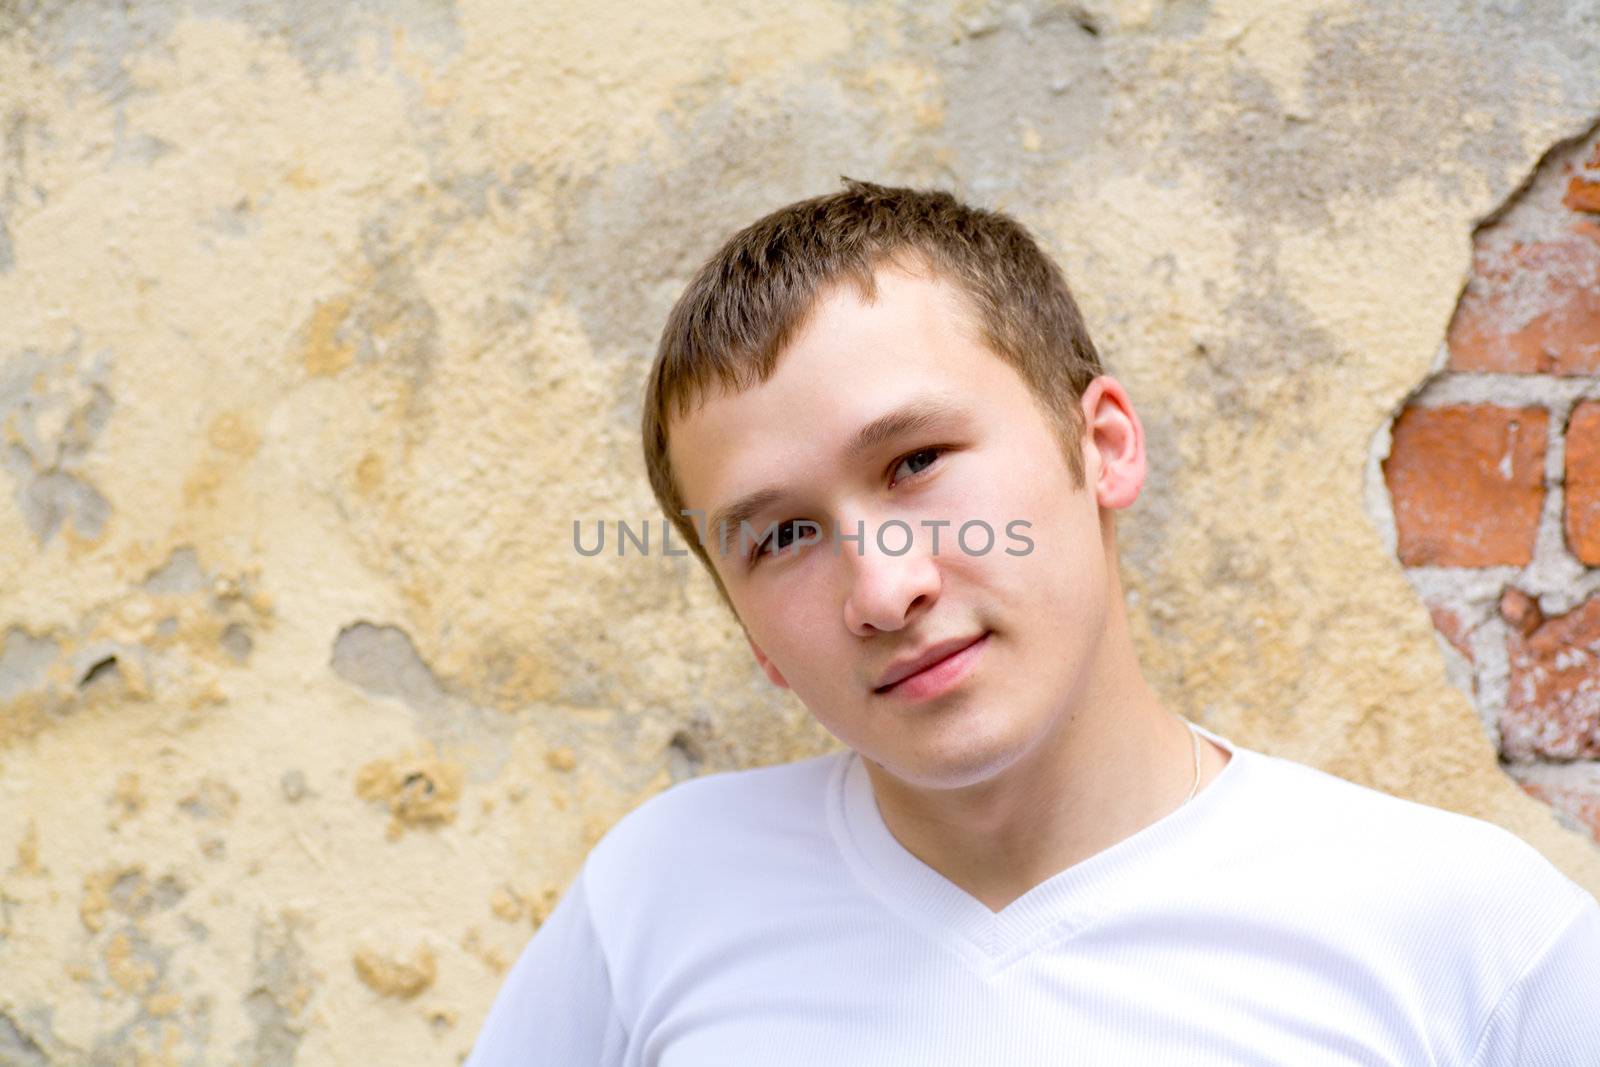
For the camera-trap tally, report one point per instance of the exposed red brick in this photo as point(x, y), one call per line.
point(1520, 610)
point(1583, 194)
point(1450, 626)
point(1553, 702)
point(1532, 308)
point(1583, 482)
point(1467, 484)
point(1580, 806)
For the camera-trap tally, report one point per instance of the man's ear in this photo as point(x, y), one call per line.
point(767, 665)
point(1115, 443)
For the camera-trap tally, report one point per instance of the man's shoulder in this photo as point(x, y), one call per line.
point(726, 822)
point(1340, 839)
point(1324, 805)
point(722, 799)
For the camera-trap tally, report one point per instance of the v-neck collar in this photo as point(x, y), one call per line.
point(1068, 900)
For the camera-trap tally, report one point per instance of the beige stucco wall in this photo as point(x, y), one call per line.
point(321, 327)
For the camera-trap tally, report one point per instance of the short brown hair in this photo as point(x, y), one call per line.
point(753, 296)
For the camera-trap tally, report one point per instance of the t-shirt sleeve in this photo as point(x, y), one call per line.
point(1548, 1016)
point(556, 1005)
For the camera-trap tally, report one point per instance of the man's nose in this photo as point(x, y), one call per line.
point(891, 576)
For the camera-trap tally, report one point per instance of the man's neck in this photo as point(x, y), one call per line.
point(1105, 771)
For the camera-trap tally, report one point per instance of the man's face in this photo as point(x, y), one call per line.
point(830, 619)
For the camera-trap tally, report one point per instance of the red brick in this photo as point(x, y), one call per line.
point(1580, 806)
point(1532, 308)
point(1553, 701)
point(1467, 484)
point(1583, 194)
point(1583, 482)
point(1520, 610)
point(1450, 626)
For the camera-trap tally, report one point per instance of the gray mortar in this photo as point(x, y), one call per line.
point(24, 660)
point(382, 662)
point(46, 466)
point(17, 1046)
point(282, 972)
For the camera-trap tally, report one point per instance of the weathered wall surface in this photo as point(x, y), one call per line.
point(323, 322)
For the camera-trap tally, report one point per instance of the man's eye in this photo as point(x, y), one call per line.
point(775, 541)
point(929, 455)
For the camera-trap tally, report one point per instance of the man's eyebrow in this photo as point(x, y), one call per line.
point(919, 414)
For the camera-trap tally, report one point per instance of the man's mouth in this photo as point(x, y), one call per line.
point(931, 656)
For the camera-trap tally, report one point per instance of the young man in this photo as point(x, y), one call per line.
point(1021, 857)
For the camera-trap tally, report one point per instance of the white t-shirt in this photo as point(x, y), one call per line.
point(1284, 916)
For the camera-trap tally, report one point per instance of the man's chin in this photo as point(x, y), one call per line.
point(945, 770)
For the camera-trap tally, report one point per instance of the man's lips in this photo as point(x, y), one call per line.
point(907, 666)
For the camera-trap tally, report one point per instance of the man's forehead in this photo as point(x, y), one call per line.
point(857, 372)
point(923, 300)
